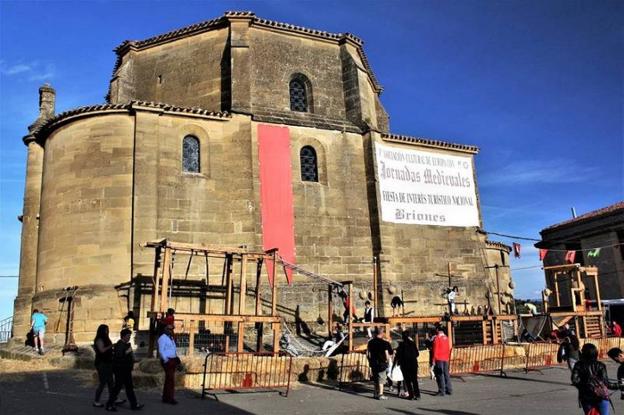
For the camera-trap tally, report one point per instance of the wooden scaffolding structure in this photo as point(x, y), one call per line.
point(232, 314)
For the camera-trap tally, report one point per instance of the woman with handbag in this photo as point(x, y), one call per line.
point(407, 359)
point(591, 379)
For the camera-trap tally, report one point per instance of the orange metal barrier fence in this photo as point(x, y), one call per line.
point(240, 371)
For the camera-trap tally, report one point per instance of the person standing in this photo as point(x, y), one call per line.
point(616, 329)
point(38, 326)
point(128, 321)
point(450, 297)
point(618, 357)
point(592, 381)
point(569, 350)
point(407, 359)
point(379, 354)
point(170, 361)
point(441, 355)
point(103, 347)
point(369, 317)
point(123, 363)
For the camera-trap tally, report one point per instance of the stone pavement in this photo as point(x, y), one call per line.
point(70, 392)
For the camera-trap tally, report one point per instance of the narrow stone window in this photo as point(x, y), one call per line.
point(300, 93)
point(190, 154)
point(309, 164)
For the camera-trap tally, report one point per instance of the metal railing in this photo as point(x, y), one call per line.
point(6, 326)
point(246, 371)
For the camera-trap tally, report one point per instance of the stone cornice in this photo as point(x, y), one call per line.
point(498, 245)
point(224, 20)
point(427, 142)
point(40, 131)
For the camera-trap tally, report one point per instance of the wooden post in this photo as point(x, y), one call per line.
point(240, 344)
point(375, 286)
point(243, 285)
point(191, 327)
point(330, 312)
point(229, 286)
point(498, 291)
point(276, 337)
point(494, 331)
point(274, 288)
point(449, 331)
point(156, 279)
point(598, 302)
point(584, 326)
point(258, 276)
point(350, 305)
point(557, 301)
point(484, 331)
point(577, 326)
point(166, 276)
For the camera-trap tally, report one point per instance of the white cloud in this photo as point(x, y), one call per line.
point(31, 71)
point(553, 171)
point(16, 69)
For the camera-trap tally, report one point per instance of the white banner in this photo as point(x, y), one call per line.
point(425, 187)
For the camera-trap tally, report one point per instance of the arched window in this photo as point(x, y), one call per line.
point(190, 154)
point(300, 93)
point(309, 164)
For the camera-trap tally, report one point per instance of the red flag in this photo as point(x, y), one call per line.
point(516, 249)
point(542, 254)
point(569, 257)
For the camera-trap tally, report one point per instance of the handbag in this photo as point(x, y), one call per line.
point(395, 374)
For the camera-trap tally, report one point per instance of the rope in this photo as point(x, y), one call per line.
point(297, 345)
point(310, 274)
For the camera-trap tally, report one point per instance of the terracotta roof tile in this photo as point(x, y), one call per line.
point(42, 127)
point(221, 21)
point(589, 215)
point(431, 143)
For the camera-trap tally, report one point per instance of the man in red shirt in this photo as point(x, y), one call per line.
point(616, 329)
point(441, 355)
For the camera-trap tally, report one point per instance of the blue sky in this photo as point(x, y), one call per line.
point(537, 85)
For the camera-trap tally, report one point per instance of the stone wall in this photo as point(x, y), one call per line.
point(85, 218)
point(186, 72)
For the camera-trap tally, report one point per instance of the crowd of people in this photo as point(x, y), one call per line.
point(115, 362)
point(401, 365)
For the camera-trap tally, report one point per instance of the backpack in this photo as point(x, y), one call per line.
point(597, 386)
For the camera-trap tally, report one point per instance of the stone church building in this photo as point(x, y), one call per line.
point(224, 133)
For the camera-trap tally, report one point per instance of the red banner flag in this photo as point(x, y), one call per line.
point(542, 254)
point(516, 249)
point(569, 257)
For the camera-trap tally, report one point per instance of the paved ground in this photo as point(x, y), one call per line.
point(70, 392)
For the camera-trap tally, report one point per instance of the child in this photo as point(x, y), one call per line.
point(618, 356)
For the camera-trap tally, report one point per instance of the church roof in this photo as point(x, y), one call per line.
point(41, 129)
point(255, 21)
point(428, 142)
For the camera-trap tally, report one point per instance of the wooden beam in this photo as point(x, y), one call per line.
point(349, 308)
point(156, 278)
point(221, 318)
point(276, 336)
point(229, 285)
point(191, 337)
point(330, 312)
point(258, 277)
point(240, 344)
point(243, 286)
point(274, 288)
point(166, 275)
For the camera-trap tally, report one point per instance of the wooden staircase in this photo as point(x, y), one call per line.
point(593, 326)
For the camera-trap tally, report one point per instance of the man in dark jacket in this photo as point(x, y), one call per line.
point(123, 363)
point(618, 356)
point(407, 359)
